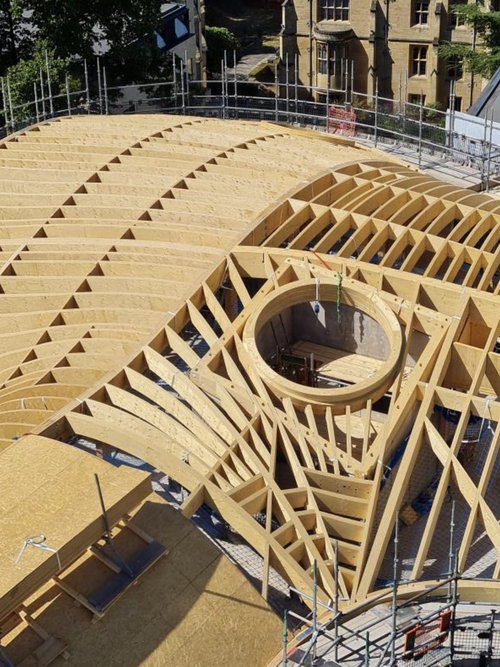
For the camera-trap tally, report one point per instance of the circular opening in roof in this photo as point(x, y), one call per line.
point(330, 344)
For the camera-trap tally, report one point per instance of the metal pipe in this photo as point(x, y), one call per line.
point(346, 80)
point(43, 94)
point(183, 101)
point(49, 84)
point(276, 91)
point(395, 593)
point(420, 120)
point(11, 108)
point(99, 83)
point(87, 89)
point(235, 80)
point(4, 102)
point(310, 44)
point(315, 610)
point(174, 77)
point(223, 89)
point(327, 97)
point(296, 81)
point(226, 79)
point(284, 640)
point(105, 82)
point(376, 113)
point(352, 82)
point(68, 97)
point(336, 600)
point(454, 609)
point(36, 102)
point(450, 552)
point(490, 145)
point(287, 76)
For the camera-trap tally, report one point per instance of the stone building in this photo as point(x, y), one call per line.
point(390, 42)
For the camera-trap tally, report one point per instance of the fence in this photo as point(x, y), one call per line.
point(423, 132)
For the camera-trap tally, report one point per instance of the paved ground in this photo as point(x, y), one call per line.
point(248, 63)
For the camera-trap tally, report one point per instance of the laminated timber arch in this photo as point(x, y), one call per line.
point(136, 250)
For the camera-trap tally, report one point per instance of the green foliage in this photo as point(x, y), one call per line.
point(14, 36)
point(218, 41)
point(23, 74)
point(485, 58)
point(73, 26)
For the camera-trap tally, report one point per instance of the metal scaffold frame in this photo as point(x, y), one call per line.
point(422, 131)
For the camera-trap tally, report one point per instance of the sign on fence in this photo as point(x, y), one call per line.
point(426, 637)
point(341, 121)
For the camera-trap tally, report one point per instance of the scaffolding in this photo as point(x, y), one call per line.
point(422, 630)
point(419, 133)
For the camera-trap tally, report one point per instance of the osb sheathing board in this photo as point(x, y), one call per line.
point(49, 489)
point(194, 608)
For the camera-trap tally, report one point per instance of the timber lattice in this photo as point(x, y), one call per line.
point(136, 250)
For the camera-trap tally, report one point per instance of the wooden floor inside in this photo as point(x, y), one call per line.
point(336, 364)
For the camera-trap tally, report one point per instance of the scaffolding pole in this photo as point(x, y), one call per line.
point(287, 81)
point(315, 612)
point(223, 90)
point(327, 96)
point(99, 83)
point(454, 605)
point(42, 99)
point(420, 120)
point(226, 85)
point(36, 102)
point(68, 97)
point(174, 79)
point(395, 593)
point(188, 65)
point(276, 91)
point(87, 89)
point(296, 82)
point(490, 145)
point(336, 602)
point(49, 84)
point(11, 108)
point(4, 102)
point(105, 83)
point(183, 100)
point(235, 65)
point(451, 568)
point(452, 97)
point(284, 640)
point(351, 92)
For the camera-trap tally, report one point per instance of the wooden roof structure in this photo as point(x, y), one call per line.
point(144, 256)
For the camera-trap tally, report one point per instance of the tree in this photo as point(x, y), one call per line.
point(484, 58)
point(218, 41)
point(14, 36)
point(74, 27)
point(25, 73)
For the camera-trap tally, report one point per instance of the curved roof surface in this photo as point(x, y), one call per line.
point(141, 258)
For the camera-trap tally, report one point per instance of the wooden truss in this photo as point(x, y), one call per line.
point(145, 292)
